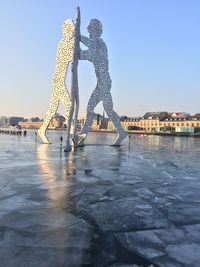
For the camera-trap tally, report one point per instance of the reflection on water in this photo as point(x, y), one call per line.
point(55, 174)
point(43, 158)
point(22, 151)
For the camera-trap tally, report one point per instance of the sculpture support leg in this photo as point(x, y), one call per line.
point(48, 117)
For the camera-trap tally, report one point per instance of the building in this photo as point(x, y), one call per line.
point(10, 121)
point(99, 122)
point(151, 122)
point(35, 123)
point(13, 121)
point(57, 122)
point(4, 121)
point(158, 122)
point(179, 114)
point(30, 124)
point(131, 123)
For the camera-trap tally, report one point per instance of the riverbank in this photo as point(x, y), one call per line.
point(181, 134)
point(178, 134)
point(141, 133)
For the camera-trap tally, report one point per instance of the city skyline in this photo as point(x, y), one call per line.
point(103, 114)
point(152, 47)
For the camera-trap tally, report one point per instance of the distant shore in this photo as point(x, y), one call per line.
point(143, 133)
point(154, 133)
point(181, 134)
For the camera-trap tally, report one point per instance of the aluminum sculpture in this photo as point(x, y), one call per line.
point(97, 54)
point(69, 51)
point(60, 92)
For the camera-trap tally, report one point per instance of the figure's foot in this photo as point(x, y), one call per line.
point(120, 138)
point(75, 140)
point(81, 139)
point(67, 148)
point(42, 135)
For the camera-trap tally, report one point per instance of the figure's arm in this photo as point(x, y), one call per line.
point(85, 40)
point(84, 55)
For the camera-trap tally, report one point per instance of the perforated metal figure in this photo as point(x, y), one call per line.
point(60, 92)
point(97, 54)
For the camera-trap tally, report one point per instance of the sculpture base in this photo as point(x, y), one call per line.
point(79, 140)
point(67, 148)
point(43, 137)
point(120, 138)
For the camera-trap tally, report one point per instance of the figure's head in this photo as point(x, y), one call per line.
point(68, 28)
point(95, 28)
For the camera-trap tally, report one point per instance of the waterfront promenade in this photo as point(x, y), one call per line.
point(135, 205)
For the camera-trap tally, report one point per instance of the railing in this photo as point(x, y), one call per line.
point(10, 131)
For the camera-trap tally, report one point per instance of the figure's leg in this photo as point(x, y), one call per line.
point(49, 115)
point(93, 101)
point(74, 135)
point(108, 106)
point(66, 100)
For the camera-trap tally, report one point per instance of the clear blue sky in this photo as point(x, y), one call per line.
point(153, 47)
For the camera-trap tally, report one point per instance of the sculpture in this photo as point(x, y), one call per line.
point(60, 92)
point(69, 51)
point(97, 54)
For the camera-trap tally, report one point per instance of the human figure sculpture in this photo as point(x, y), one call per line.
point(97, 54)
point(60, 92)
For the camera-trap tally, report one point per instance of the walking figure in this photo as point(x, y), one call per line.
point(60, 92)
point(97, 54)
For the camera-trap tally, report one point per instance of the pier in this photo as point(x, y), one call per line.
point(10, 132)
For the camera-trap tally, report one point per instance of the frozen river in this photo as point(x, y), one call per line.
point(100, 205)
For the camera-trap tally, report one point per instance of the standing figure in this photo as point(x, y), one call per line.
point(60, 92)
point(97, 54)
